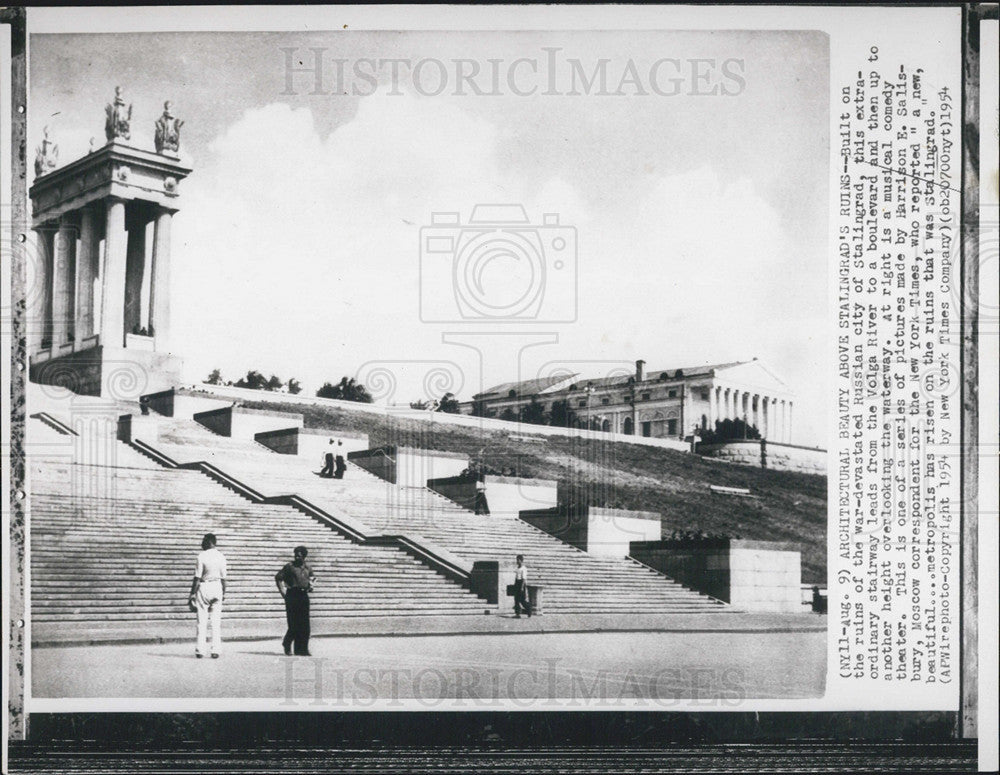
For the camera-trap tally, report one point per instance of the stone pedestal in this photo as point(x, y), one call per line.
point(111, 372)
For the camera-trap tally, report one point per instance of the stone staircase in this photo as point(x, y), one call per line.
point(573, 581)
point(128, 554)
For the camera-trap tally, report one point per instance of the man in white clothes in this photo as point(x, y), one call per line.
point(207, 590)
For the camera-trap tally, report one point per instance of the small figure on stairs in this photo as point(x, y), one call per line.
point(340, 462)
point(328, 463)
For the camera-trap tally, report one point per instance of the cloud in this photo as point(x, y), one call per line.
point(311, 241)
point(296, 251)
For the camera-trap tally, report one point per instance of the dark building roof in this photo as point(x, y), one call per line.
point(530, 387)
point(527, 387)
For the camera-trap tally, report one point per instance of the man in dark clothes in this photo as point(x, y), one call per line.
point(295, 582)
point(521, 589)
point(341, 463)
point(327, 471)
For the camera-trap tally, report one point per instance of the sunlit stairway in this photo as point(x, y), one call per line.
point(573, 581)
point(118, 543)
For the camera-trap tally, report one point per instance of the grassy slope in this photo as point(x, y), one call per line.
point(791, 506)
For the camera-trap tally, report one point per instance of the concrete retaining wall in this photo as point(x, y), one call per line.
point(407, 466)
point(781, 457)
point(171, 403)
point(750, 575)
point(599, 531)
point(240, 423)
point(137, 426)
point(506, 496)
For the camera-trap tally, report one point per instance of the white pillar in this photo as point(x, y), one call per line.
point(113, 293)
point(62, 283)
point(713, 407)
point(159, 289)
point(86, 271)
point(790, 407)
point(39, 263)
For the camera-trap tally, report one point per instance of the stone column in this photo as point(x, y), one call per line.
point(86, 271)
point(39, 264)
point(113, 293)
point(767, 417)
point(755, 410)
point(135, 267)
point(713, 407)
point(62, 283)
point(784, 422)
point(159, 288)
point(790, 407)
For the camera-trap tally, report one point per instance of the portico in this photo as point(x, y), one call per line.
point(99, 306)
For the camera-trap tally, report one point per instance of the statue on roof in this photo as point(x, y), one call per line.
point(119, 117)
point(46, 155)
point(168, 130)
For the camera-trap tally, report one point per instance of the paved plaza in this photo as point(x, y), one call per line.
point(764, 658)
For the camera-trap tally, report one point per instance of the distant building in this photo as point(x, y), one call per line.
point(662, 403)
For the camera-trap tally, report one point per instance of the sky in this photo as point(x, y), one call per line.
point(695, 223)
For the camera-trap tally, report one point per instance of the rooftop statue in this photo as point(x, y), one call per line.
point(168, 131)
point(119, 118)
point(46, 155)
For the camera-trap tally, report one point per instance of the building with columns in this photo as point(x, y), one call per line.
point(661, 403)
point(99, 276)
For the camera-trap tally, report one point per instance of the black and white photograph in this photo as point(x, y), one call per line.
point(619, 497)
point(508, 361)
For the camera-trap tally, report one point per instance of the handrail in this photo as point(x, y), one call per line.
point(414, 548)
point(55, 423)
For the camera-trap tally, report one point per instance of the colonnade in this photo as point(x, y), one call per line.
point(90, 268)
point(770, 414)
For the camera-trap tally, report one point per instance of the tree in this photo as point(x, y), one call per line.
point(561, 415)
point(448, 404)
point(274, 383)
point(254, 380)
point(508, 414)
point(729, 430)
point(294, 386)
point(534, 413)
point(345, 390)
point(419, 404)
point(215, 378)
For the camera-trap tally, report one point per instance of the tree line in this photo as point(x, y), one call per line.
point(347, 389)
